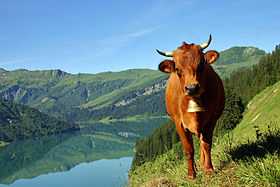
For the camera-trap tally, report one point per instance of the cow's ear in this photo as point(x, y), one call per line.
point(211, 56)
point(167, 66)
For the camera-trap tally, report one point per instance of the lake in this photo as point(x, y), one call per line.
point(93, 157)
point(101, 173)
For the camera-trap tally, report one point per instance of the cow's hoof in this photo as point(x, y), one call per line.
point(209, 171)
point(191, 177)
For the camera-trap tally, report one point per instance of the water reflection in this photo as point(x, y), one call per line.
point(31, 158)
point(101, 173)
point(46, 156)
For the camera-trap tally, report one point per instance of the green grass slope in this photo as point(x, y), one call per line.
point(262, 113)
point(247, 156)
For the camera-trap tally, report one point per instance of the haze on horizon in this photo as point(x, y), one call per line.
point(93, 36)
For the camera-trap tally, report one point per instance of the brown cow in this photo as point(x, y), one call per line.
point(194, 98)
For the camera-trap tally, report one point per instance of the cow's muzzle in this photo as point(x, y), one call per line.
point(192, 89)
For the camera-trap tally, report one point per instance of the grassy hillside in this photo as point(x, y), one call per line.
point(21, 122)
point(263, 111)
point(247, 156)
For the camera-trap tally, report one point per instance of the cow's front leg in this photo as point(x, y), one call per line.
point(187, 143)
point(205, 150)
point(202, 155)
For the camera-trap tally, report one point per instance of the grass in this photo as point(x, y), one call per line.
point(249, 155)
point(260, 171)
point(262, 109)
point(256, 163)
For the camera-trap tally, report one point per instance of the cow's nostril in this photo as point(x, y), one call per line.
point(192, 89)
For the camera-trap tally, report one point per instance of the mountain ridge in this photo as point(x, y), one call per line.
point(239, 54)
point(85, 98)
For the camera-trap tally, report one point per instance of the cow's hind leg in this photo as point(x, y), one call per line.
point(205, 149)
point(187, 143)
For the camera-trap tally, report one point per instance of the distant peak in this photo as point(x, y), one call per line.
point(238, 54)
point(58, 73)
point(2, 70)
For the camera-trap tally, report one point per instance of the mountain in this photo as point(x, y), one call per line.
point(249, 154)
point(235, 55)
point(19, 122)
point(87, 98)
point(247, 82)
point(234, 58)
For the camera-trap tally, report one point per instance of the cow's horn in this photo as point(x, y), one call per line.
point(206, 44)
point(167, 54)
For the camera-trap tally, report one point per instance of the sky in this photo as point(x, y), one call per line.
point(90, 36)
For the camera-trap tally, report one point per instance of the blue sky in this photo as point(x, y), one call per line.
point(90, 36)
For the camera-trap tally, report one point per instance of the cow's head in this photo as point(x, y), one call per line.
point(189, 63)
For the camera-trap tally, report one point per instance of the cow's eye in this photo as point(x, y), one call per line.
point(179, 72)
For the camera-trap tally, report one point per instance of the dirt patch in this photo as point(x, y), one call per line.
point(159, 182)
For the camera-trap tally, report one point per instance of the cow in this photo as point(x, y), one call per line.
point(194, 98)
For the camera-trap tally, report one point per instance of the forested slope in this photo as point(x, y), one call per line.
point(19, 122)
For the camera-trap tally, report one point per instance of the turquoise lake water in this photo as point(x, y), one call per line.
point(82, 160)
point(98, 157)
point(101, 173)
